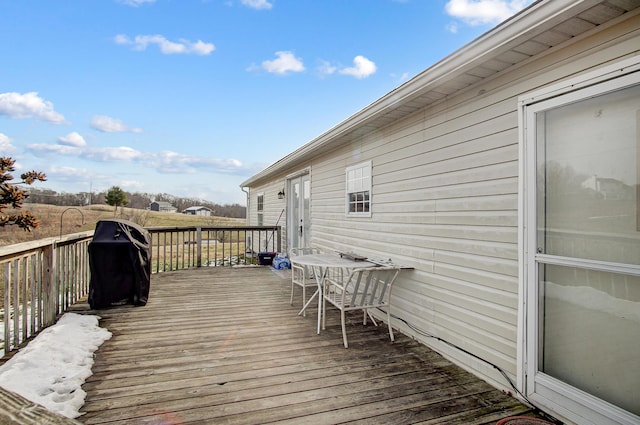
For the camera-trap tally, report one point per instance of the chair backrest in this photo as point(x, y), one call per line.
point(303, 251)
point(370, 286)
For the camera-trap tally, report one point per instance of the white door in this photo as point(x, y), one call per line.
point(583, 252)
point(298, 212)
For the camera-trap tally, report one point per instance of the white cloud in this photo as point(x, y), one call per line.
point(113, 154)
point(182, 46)
point(131, 185)
point(72, 139)
point(41, 149)
point(107, 124)
point(5, 145)
point(257, 4)
point(74, 175)
point(362, 68)
point(82, 179)
point(67, 173)
point(164, 162)
point(172, 162)
point(122, 39)
point(135, 3)
point(481, 12)
point(285, 63)
point(326, 68)
point(110, 154)
point(400, 78)
point(29, 105)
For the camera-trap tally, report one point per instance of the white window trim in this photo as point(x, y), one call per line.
point(543, 389)
point(259, 212)
point(302, 172)
point(365, 164)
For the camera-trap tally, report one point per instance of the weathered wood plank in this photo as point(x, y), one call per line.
point(224, 346)
point(17, 410)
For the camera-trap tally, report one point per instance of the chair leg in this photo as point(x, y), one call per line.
point(366, 314)
point(324, 309)
point(389, 322)
point(304, 297)
point(292, 285)
point(344, 329)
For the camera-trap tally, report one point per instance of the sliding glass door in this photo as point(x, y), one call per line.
point(583, 252)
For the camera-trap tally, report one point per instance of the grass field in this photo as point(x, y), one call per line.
point(55, 220)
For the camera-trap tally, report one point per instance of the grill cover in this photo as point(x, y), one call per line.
point(120, 264)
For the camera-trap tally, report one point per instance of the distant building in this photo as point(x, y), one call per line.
point(162, 206)
point(608, 188)
point(198, 210)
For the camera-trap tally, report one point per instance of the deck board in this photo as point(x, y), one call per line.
point(223, 345)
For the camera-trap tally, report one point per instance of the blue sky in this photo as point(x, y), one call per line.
point(192, 97)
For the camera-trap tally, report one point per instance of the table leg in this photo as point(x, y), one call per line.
point(320, 274)
point(304, 307)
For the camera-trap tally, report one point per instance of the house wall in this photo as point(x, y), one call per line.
point(445, 201)
point(273, 207)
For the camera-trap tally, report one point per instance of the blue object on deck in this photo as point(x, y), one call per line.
point(281, 262)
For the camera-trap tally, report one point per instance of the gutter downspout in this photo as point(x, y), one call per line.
point(248, 204)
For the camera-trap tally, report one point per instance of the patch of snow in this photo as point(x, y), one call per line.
point(51, 369)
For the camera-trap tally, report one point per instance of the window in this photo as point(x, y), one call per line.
point(260, 207)
point(358, 196)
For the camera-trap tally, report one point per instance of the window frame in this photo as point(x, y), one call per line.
point(366, 186)
point(260, 209)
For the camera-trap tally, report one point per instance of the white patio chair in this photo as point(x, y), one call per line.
point(302, 276)
point(364, 288)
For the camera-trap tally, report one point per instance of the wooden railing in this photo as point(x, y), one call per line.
point(177, 248)
point(42, 279)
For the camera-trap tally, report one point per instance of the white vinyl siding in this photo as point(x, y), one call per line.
point(446, 205)
point(272, 211)
point(446, 182)
point(446, 202)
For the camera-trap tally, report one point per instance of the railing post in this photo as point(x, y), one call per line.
point(15, 303)
point(49, 294)
point(198, 246)
point(7, 310)
point(279, 230)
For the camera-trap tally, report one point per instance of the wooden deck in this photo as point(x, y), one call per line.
point(223, 346)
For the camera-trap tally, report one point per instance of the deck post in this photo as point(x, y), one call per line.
point(279, 231)
point(198, 246)
point(49, 295)
point(7, 297)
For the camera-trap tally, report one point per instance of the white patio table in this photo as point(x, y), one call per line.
point(320, 264)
